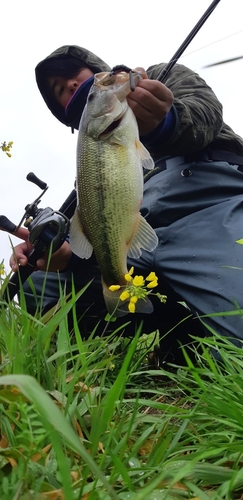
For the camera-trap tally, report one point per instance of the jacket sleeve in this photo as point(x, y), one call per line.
point(197, 109)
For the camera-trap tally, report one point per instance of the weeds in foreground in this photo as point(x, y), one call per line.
point(88, 419)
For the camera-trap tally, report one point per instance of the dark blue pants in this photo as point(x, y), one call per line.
point(197, 212)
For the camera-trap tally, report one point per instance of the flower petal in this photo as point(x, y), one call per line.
point(113, 288)
point(152, 284)
point(151, 277)
point(133, 299)
point(138, 281)
point(131, 307)
point(125, 295)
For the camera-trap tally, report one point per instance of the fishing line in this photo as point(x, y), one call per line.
point(204, 46)
point(213, 43)
point(163, 74)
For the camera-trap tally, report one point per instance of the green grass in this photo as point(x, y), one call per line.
point(88, 419)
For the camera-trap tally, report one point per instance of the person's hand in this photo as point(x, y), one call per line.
point(22, 233)
point(150, 101)
point(19, 255)
point(59, 260)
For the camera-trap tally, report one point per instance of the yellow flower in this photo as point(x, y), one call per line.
point(153, 284)
point(113, 288)
point(132, 302)
point(134, 299)
point(131, 307)
point(125, 295)
point(151, 277)
point(128, 276)
point(138, 281)
point(137, 289)
point(6, 148)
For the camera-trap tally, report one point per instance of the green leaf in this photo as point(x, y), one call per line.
point(52, 415)
point(110, 317)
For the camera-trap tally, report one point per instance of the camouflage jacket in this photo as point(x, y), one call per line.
point(199, 121)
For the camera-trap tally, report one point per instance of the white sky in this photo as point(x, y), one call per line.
point(132, 33)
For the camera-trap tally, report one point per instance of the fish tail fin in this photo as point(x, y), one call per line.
point(118, 308)
point(115, 306)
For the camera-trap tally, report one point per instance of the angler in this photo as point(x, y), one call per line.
point(192, 199)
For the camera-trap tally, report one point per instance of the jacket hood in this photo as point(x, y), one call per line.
point(93, 62)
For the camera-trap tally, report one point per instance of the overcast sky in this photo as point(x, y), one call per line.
point(125, 32)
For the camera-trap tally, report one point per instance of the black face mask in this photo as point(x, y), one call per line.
point(75, 105)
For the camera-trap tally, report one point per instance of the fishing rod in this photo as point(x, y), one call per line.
point(163, 74)
point(72, 110)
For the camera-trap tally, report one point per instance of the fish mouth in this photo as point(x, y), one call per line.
point(110, 128)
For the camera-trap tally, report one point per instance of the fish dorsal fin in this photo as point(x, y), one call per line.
point(79, 243)
point(147, 160)
point(145, 237)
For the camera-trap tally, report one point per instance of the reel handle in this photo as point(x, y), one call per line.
point(7, 225)
point(31, 177)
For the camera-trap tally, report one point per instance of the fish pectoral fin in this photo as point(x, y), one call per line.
point(147, 160)
point(79, 242)
point(145, 237)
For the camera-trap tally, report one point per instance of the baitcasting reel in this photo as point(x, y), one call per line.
point(48, 229)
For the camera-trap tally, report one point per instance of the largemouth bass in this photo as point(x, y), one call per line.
point(109, 185)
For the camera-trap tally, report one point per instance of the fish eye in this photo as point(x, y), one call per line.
point(91, 97)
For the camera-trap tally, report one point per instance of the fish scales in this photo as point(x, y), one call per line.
point(110, 185)
point(107, 205)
